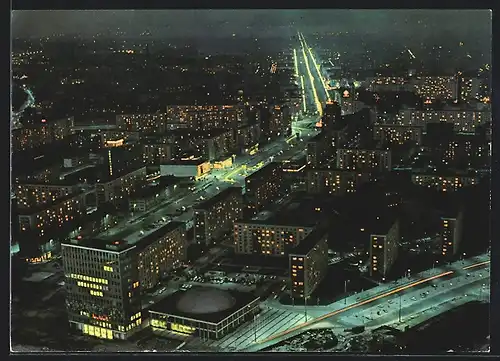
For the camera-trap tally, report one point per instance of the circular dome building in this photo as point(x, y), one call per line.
point(205, 300)
point(204, 311)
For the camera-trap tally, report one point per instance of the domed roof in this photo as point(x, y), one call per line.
point(205, 300)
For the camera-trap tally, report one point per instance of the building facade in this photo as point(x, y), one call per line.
point(264, 187)
point(384, 251)
point(215, 216)
point(267, 239)
point(308, 264)
point(104, 279)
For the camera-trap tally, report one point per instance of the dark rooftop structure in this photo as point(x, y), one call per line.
point(207, 204)
point(206, 304)
point(312, 239)
point(135, 239)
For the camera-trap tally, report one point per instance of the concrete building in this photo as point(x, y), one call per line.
point(215, 216)
point(206, 312)
point(205, 117)
point(384, 243)
point(148, 196)
point(264, 187)
point(451, 233)
point(185, 168)
point(397, 134)
point(364, 159)
point(308, 263)
point(436, 87)
point(464, 120)
point(445, 182)
point(266, 238)
point(104, 278)
point(334, 181)
point(144, 123)
point(41, 226)
point(115, 188)
point(36, 194)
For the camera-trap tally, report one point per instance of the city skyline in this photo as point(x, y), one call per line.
point(251, 181)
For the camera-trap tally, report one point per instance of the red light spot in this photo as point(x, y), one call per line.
point(44, 120)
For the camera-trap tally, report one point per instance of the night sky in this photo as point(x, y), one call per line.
point(262, 23)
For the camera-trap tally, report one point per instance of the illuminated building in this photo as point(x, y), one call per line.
point(389, 83)
point(308, 263)
point(215, 216)
point(397, 134)
point(436, 87)
point(264, 187)
point(350, 105)
point(466, 151)
point(333, 181)
point(278, 122)
point(34, 135)
point(115, 138)
point(36, 194)
point(294, 175)
point(463, 120)
point(451, 233)
point(267, 238)
point(247, 136)
point(40, 226)
point(147, 123)
point(204, 117)
point(364, 159)
point(445, 182)
point(117, 186)
point(384, 243)
point(157, 151)
point(147, 197)
point(104, 278)
point(469, 88)
point(331, 115)
point(190, 168)
point(206, 312)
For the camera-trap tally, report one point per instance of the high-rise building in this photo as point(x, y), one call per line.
point(464, 120)
point(331, 115)
point(333, 181)
point(364, 159)
point(41, 227)
point(215, 216)
point(308, 263)
point(397, 134)
point(451, 233)
point(146, 123)
point(384, 243)
point(104, 278)
point(264, 187)
point(273, 239)
point(445, 181)
point(30, 195)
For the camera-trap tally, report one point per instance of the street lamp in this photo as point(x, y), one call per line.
point(400, 307)
point(345, 291)
point(255, 317)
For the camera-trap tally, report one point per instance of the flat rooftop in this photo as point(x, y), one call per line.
point(140, 238)
point(311, 240)
point(207, 204)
